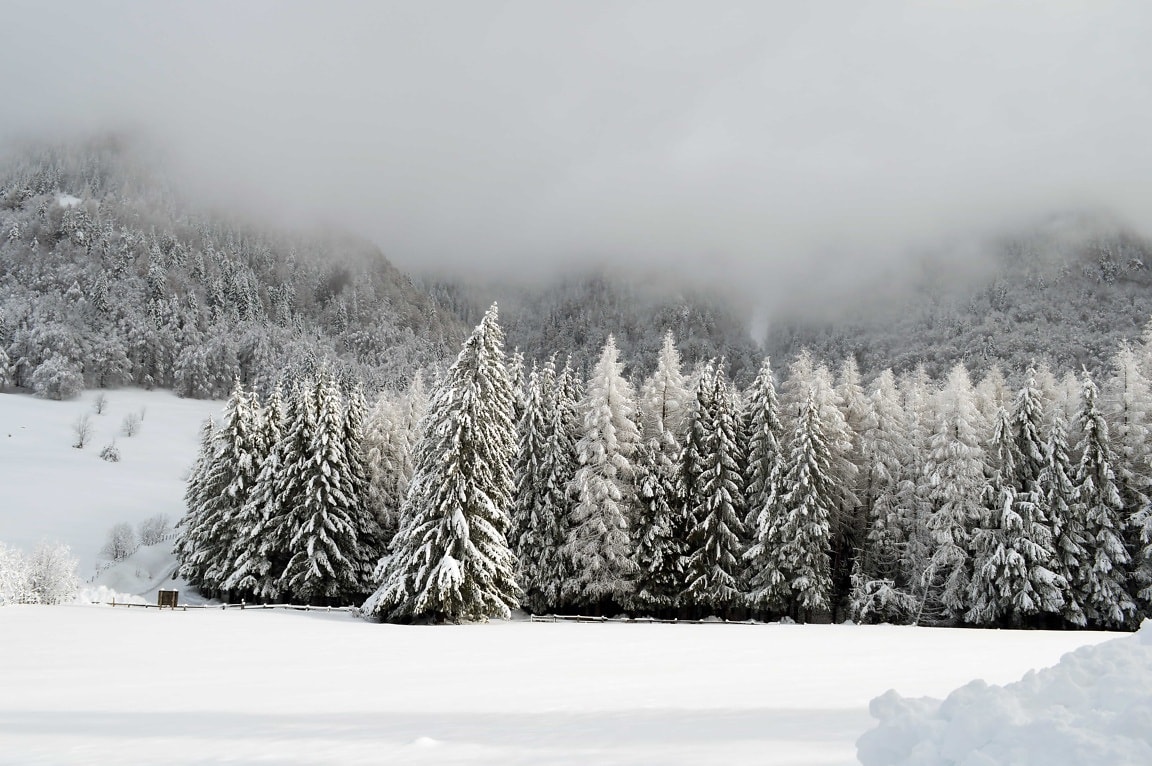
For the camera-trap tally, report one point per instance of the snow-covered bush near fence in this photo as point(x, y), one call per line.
point(1094, 707)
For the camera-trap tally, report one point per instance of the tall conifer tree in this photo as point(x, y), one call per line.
point(451, 559)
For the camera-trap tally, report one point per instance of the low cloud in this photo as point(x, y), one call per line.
point(758, 145)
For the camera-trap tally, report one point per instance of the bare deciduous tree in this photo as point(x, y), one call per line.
point(100, 403)
point(121, 542)
point(82, 429)
point(153, 529)
point(131, 425)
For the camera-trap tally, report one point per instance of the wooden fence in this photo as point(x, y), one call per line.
point(242, 607)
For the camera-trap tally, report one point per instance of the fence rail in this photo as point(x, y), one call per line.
point(242, 607)
point(638, 620)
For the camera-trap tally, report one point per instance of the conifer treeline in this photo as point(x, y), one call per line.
point(903, 500)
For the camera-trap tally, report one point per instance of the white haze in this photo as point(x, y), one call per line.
point(741, 142)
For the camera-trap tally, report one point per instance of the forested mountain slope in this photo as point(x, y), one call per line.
point(106, 278)
point(1067, 297)
point(574, 314)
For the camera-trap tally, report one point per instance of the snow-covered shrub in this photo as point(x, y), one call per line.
point(100, 403)
point(52, 574)
point(131, 424)
point(48, 576)
point(877, 601)
point(13, 576)
point(110, 452)
point(153, 529)
point(57, 378)
point(121, 542)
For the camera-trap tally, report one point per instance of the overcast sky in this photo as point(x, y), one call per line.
point(739, 140)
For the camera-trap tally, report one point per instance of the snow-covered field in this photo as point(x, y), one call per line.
point(52, 492)
point(101, 685)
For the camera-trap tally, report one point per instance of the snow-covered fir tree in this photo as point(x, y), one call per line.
point(807, 504)
point(321, 522)
point(371, 543)
point(1127, 400)
point(918, 397)
point(192, 545)
point(1102, 586)
point(1015, 572)
point(450, 559)
point(665, 399)
point(531, 438)
point(391, 431)
point(956, 489)
point(535, 524)
point(880, 591)
point(599, 544)
point(765, 570)
point(1061, 499)
point(660, 534)
point(714, 568)
point(551, 565)
point(280, 489)
point(218, 488)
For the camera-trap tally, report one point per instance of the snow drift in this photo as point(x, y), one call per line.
point(1094, 707)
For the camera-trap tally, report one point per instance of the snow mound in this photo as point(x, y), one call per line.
point(102, 594)
point(67, 200)
point(1094, 706)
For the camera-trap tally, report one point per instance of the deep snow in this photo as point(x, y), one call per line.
point(1094, 707)
point(102, 685)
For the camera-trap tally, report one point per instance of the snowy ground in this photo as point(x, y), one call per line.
point(102, 685)
point(50, 491)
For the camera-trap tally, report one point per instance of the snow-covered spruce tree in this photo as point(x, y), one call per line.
point(1067, 516)
point(192, 545)
point(880, 593)
point(450, 559)
point(599, 544)
point(660, 534)
point(992, 396)
point(1102, 585)
point(806, 507)
point(550, 565)
point(714, 569)
point(859, 418)
point(767, 585)
point(846, 526)
point(1013, 580)
point(280, 487)
point(918, 396)
point(369, 534)
point(391, 433)
point(1127, 399)
point(531, 433)
point(217, 490)
point(533, 520)
point(665, 400)
point(239, 459)
point(321, 522)
point(955, 475)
